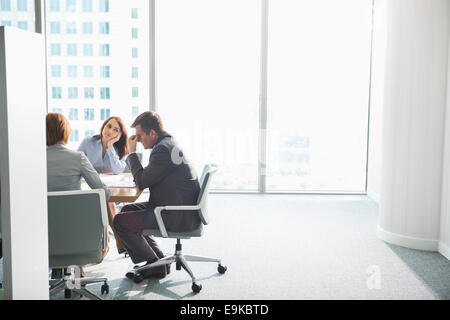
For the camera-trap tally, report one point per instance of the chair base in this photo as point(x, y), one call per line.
point(77, 285)
point(182, 262)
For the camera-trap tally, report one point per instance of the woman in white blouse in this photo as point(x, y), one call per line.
point(106, 152)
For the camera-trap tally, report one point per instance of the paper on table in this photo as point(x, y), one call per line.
point(124, 184)
point(116, 181)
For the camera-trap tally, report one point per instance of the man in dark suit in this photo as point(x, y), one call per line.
point(171, 181)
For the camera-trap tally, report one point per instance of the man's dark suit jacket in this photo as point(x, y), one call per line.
point(170, 183)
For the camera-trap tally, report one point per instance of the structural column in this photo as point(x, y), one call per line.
point(413, 122)
point(23, 165)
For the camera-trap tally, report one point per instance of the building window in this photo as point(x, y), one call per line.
point(87, 5)
point(73, 114)
point(104, 71)
point(57, 110)
point(55, 49)
point(134, 52)
point(56, 71)
point(71, 5)
point(134, 72)
point(104, 93)
point(88, 50)
point(72, 93)
point(104, 5)
point(71, 49)
point(56, 92)
point(21, 5)
point(54, 6)
point(88, 71)
point(135, 92)
point(134, 33)
point(5, 5)
point(104, 50)
point(104, 27)
point(71, 28)
point(104, 114)
point(74, 136)
point(134, 13)
point(135, 111)
point(88, 114)
point(89, 93)
point(5, 23)
point(87, 28)
point(55, 27)
point(22, 25)
point(88, 133)
point(72, 71)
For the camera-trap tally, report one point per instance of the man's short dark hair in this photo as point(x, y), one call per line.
point(149, 120)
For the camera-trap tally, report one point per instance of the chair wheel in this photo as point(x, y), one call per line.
point(105, 288)
point(67, 293)
point(138, 277)
point(196, 287)
point(221, 269)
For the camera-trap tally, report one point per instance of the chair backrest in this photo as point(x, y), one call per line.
point(205, 180)
point(77, 221)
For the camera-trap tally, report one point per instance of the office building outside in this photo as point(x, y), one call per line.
point(97, 58)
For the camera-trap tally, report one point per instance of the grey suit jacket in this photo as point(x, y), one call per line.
point(65, 167)
point(170, 183)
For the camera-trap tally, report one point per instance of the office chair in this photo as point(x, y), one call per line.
point(77, 222)
point(180, 259)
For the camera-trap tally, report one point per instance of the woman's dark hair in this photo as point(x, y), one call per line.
point(121, 145)
point(149, 120)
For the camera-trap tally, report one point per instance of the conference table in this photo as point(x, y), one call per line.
point(121, 187)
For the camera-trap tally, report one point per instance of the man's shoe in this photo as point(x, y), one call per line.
point(130, 274)
point(154, 273)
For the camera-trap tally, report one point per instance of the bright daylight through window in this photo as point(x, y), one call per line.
point(209, 68)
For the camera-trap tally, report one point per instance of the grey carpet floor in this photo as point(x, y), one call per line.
point(288, 247)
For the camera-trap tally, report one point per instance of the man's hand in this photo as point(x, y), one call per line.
point(111, 142)
point(132, 143)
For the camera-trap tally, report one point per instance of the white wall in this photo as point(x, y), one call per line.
point(23, 164)
point(376, 100)
point(414, 105)
point(444, 240)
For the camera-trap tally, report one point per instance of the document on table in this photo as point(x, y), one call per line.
point(111, 180)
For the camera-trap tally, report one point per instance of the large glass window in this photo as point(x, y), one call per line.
point(317, 96)
point(96, 57)
point(17, 13)
point(213, 65)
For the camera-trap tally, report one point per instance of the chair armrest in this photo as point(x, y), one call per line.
point(159, 220)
